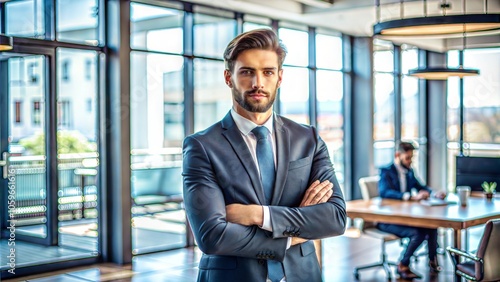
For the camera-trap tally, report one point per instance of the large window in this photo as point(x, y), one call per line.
point(212, 34)
point(481, 107)
point(156, 29)
point(384, 107)
point(157, 127)
point(294, 90)
point(77, 139)
point(81, 27)
point(386, 96)
point(212, 97)
point(410, 103)
point(329, 96)
point(25, 18)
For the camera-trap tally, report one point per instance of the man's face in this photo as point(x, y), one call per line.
point(254, 81)
point(405, 158)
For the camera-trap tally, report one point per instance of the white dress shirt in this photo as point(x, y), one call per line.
point(402, 172)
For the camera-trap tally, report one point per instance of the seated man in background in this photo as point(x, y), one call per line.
point(397, 182)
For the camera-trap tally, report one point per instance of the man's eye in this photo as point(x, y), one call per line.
point(268, 72)
point(246, 72)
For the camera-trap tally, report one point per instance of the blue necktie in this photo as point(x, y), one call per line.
point(408, 188)
point(265, 159)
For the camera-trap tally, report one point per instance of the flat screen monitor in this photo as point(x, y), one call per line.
point(473, 171)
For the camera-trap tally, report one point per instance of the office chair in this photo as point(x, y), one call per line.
point(482, 266)
point(369, 189)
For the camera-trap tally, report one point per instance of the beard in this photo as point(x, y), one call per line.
point(246, 103)
point(403, 164)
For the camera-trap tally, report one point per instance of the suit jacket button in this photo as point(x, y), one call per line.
point(261, 261)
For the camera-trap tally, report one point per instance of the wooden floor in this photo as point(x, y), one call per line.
point(340, 256)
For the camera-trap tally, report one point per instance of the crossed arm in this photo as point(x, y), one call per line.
point(223, 229)
point(248, 215)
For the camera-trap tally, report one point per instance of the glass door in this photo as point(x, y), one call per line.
point(23, 147)
point(49, 160)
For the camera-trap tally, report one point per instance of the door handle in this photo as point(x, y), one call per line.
point(4, 162)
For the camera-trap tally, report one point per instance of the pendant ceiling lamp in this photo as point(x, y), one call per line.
point(442, 73)
point(5, 43)
point(439, 23)
point(443, 25)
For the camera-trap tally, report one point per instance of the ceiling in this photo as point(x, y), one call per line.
point(357, 17)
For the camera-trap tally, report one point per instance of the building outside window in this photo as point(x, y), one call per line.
point(36, 113)
point(17, 111)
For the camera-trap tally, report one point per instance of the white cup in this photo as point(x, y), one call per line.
point(463, 193)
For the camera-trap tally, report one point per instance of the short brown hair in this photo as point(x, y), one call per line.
point(404, 147)
point(264, 38)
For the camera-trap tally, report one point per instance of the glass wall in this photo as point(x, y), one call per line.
point(157, 128)
point(212, 98)
point(51, 129)
point(481, 107)
point(384, 103)
point(78, 157)
point(329, 96)
point(25, 18)
point(386, 69)
point(82, 28)
point(294, 90)
point(411, 110)
point(410, 102)
point(27, 146)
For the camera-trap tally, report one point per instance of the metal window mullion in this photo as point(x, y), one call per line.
point(188, 38)
point(49, 7)
point(52, 183)
point(313, 114)
point(397, 93)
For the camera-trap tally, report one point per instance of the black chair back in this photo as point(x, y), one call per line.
point(489, 251)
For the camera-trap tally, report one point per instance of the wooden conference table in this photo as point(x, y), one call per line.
point(411, 213)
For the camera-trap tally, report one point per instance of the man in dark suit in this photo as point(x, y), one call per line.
point(397, 182)
point(254, 207)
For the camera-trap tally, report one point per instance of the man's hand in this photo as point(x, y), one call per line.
point(440, 195)
point(244, 214)
point(317, 193)
point(422, 195)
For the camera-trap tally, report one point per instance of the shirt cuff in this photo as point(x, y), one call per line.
point(406, 196)
point(266, 225)
point(266, 221)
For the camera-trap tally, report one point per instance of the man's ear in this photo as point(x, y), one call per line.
point(227, 78)
point(396, 156)
point(280, 77)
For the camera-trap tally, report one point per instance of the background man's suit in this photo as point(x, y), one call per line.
point(219, 170)
point(389, 185)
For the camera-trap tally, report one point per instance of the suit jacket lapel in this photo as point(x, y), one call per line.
point(282, 156)
point(233, 136)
